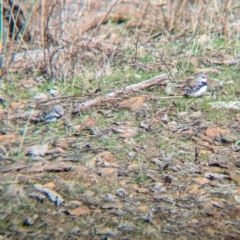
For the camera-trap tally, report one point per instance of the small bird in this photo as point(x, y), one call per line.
point(50, 113)
point(197, 87)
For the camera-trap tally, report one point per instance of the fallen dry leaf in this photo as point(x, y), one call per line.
point(106, 156)
point(62, 143)
point(129, 133)
point(193, 189)
point(125, 130)
point(37, 150)
point(133, 103)
point(201, 180)
point(142, 190)
point(144, 209)
point(216, 132)
point(49, 185)
point(16, 105)
point(34, 168)
point(108, 172)
point(238, 117)
point(205, 152)
point(82, 210)
point(56, 150)
point(235, 178)
point(87, 123)
point(58, 167)
point(9, 138)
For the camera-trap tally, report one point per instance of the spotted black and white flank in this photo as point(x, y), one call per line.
point(51, 113)
point(198, 88)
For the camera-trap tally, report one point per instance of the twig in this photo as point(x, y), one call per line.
point(134, 87)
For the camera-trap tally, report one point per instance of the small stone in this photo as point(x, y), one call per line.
point(76, 230)
point(109, 198)
point(197, 115)
point(121, 192)
point(38, 150)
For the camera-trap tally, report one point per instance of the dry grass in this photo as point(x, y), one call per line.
point(85, 34)
point(138, 173)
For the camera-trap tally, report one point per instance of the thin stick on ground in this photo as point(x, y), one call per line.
point(131, 88)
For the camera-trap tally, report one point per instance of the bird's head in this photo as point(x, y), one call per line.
point(201, 78)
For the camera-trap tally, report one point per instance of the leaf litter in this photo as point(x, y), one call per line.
point(141, 166)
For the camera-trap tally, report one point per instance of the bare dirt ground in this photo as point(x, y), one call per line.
point(129, 158)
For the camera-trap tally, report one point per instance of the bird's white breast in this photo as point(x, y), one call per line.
point(199, 93)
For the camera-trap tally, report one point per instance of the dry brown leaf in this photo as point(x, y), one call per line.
point(142, 190)
point(144, 209)
point(88, 123)
point(16, 105)
point(12, 168)
point(56, 150)
point(213, 61)
point(216, 132)
point(112, 206)
point(130, 132)
point(125, 129)
point(34, 168)
point(50, 185)
point(235, 178)
point(62, 143)
point(204, 152)
point(114, 38)
point(238, 117)
point(108, 172)
point(193, 189)
point(207, 139)
point(201, 180)
point(133, 167)
point(133, 103)
point(204, 144)
point(37, 150)
point(9, 138)
point(82, 210)
point(58, 167)
point(106, 156)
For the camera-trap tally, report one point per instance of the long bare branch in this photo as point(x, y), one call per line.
point(131, 88)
